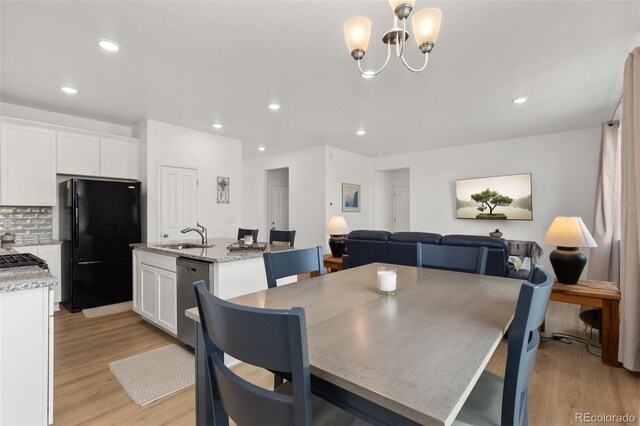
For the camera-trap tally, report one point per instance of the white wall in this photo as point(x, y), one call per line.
point(306, 194)
point(347, 167)
point(212, 155)
point(564, 167)
point(55, 118)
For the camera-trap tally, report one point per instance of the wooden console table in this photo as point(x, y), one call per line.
point(333, 264)
point(600, 294)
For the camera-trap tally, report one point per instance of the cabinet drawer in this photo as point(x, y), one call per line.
point(167, 263)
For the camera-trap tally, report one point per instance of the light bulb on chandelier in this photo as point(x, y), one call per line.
point(425, 23)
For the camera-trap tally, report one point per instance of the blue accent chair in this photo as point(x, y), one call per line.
point(282, 264)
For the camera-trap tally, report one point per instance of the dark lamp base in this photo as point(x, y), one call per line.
point(568, 264)
point(337, 245)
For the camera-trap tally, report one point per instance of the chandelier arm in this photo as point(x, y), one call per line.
point(426, 60)
point(401, 39)
point(374, 73)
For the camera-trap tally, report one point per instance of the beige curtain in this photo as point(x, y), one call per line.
point(604, 260)
point(629, 353)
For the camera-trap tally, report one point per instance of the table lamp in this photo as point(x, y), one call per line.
point(337, 229)
point(568, 233)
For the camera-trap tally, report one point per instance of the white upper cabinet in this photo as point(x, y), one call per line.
point(27, 166)
point(78, 154)
point(119, 158)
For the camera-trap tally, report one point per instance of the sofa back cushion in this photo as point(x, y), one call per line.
point(364, 247)
point(402, 246)
point(497, 257)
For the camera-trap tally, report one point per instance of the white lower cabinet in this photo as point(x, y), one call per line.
point(26, 357)
point(51, 255)
point(155, 288)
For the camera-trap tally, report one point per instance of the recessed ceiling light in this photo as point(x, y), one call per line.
point(361, 132)
point(520, 100)
point(368, 74)
point(108, 45)
point(379, 153)
point(261, 148)
point(274, 107)
point(217, 126)
point(69, 90)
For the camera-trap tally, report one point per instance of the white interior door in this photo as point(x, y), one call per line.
point(178, 201)
point(401, 208)
point(279, 207)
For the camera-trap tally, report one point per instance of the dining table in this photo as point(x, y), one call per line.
point(404, 359)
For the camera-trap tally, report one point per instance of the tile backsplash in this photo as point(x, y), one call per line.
point(30, 224)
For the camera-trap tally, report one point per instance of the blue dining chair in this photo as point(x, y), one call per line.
point(242, 232)
point(504, 402)
point(274, 339)
point(282, 264)
point(282, 237)
point(452, 258)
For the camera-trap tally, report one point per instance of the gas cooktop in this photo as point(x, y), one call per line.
point(21, 259)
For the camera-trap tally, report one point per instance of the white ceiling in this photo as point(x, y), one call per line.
point(194, 63)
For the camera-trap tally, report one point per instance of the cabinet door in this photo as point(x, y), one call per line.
point(78, 154)
point(51, 255)
point(148, 292)
point(27, 249)
point(167, 302)
point(27, 166)
point(135, 258)
point(118, 158)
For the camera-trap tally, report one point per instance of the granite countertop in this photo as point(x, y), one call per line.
point(6, 248)
point(28, 277)
point(218, 253)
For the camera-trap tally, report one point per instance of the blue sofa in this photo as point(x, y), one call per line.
point(368, 246)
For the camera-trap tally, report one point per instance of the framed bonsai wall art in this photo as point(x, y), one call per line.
point(350, 197)
point(495, 198)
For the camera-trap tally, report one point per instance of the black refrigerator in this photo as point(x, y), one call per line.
point(98, 221)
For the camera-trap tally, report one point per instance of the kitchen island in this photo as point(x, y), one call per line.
point(161, 299)
point(26, 345)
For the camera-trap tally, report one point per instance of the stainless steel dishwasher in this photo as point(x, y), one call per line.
point(190, 271)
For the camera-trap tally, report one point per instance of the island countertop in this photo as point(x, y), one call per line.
point(25, 278)
point(218, 253)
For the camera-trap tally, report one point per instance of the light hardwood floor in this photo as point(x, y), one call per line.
point(567, 380)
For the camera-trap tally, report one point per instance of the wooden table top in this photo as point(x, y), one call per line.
point(588, 288)
point(328, 258)
point(418, 353)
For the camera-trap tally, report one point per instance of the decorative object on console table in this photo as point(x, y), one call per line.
point(496, 233)
point(223, 190)
point(568, 234)
point(337, 229)
point(350, 197)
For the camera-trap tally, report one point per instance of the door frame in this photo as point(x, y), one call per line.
point(159, 192)
point(393, 211)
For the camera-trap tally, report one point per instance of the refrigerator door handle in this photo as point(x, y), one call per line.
point(76, 221)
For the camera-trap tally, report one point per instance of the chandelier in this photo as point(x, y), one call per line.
point(425, 23)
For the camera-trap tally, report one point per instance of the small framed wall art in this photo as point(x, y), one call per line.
point(350, 197)
point(223, 190)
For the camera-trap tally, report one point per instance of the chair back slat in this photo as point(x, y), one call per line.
point(269, 338)
point(282, 236)
point(292, 262)
point(452, 258)
point(524, 338)
point(242, 232)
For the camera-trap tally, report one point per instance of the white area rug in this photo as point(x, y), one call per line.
point(102, 311)
point(152, 375)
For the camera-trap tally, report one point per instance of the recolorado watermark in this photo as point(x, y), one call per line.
point(605, 418)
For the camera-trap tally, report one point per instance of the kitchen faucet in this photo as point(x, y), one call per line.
point(200, 230)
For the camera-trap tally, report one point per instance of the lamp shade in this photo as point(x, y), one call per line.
point(395, 3)
point(566, 231)
point(337, 226)
point(357, 32)
point(426, 25)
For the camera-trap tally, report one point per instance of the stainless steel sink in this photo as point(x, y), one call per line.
point(183, 246)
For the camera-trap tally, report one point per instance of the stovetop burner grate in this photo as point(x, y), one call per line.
point(21, 259)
